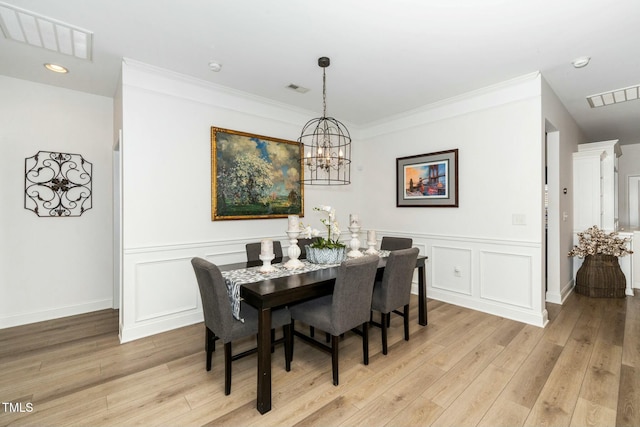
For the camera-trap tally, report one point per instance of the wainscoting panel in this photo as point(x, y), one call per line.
point(504, 276)
point(451, 269)
point(161, 288)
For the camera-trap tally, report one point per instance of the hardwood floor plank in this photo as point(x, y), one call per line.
point(588, 413)
point(473, 403)
point(628, 413)
point(558, 397)
point(420, 412)
point(528, 381)
point(631, 346)
point(463, 368)
point(504, 413)
point(602, 378)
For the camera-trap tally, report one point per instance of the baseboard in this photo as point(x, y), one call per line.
point(514, 313)
point(156, 326)
point(560, 298)
point(55, 313)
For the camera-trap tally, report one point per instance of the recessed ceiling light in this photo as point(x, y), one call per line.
point(56, 68)
point(581, 62)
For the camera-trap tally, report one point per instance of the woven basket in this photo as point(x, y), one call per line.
point(600, 276)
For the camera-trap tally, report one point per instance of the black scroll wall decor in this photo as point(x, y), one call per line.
point(57, 184)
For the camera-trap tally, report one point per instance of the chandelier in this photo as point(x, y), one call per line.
point(326, 145)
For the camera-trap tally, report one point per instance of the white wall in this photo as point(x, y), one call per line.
point(498, 134)
point(166, 154)
point(53, 267)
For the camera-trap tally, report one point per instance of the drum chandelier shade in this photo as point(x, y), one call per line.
point(326, 145)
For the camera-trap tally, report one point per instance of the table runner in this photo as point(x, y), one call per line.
point(235, 278)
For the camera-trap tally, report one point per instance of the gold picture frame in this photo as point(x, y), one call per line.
point(255, 176)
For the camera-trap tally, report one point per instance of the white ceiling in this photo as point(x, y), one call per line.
point(387, 57)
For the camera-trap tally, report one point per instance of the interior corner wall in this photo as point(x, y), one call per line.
point(53, 267)
point(166, 185)
point(479, 255)
point(560, 279)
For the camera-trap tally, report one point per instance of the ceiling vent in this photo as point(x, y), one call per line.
point(297, 88)
point(37, 30)
point(613, 97)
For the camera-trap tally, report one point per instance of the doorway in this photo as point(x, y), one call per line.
point(552, 215)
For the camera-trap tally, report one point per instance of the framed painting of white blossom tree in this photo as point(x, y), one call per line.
point(254, 176)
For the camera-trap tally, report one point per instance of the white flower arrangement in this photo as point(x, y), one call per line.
point(333, 229)
point(595, 241)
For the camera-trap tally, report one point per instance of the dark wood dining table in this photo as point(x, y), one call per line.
point(272, 293)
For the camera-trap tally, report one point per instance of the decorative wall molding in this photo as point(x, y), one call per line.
point(161, 290)
point(153, 272)
point(154, 79)
point(451, 269)
point(500, 271)
point(516, 89)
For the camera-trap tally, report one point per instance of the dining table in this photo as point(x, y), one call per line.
point(269, 293)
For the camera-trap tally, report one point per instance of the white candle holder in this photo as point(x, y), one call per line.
point(354, 244)
point(266, 263)
point(372, 248)
point(293, 252)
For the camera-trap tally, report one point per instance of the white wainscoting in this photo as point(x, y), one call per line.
point(500, 277)
point(497, 277)
point(160, 291)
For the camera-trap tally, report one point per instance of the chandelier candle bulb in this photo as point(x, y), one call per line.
point(266, 247)
point(294, 223)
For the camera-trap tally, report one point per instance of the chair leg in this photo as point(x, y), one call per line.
point(406, 322)
point(365, 342)
point(335, 343)
point(209, 346)
point(227, 368)
point(312, 331)
point(389, 320)
point(383, 327)
point(293, 328)
point(288, 344)
point(273, 338)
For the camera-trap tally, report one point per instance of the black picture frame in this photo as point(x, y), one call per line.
point(427, 180)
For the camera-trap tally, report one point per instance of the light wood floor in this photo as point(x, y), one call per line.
point(464, 369)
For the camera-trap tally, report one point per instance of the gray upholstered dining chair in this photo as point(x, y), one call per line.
point(220, 323)
point(347, 308)
point(394, 290)
point(253, 250)
point(394, 243)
